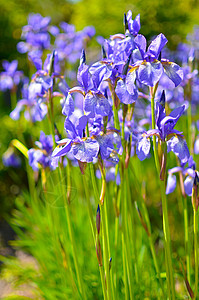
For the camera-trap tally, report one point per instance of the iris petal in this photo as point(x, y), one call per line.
point(86, 150)
point(143, 148)
point(174, 72)
point(171, 184)
point(150, 73)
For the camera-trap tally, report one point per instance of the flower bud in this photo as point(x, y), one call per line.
point(195, 194)
point(99, 252)
point(110, 263)
point(98, 219)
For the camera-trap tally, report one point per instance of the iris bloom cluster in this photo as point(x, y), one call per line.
point(120, 79)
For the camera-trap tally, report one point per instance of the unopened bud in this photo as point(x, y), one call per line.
point(126, 27)
point(52, 59)
point(98, 219)
point(110, 263)
point(103, 52)
point(162, 99)
point(99, 252)
point(195, 194)
point(82, 58)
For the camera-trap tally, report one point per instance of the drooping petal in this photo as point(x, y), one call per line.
point(89, 105)
point(15, 114)
point(157, 45)
point(69, 106)
point(130, 84)
point(63, 148)
point(106, 145)
point(171, 184)
point(174, 72)
point(85, 151)
point(96, 103)
point(122, 91)
point(102, 106)
point(196, 146)
point(150, 73)
point(179, 146)
point(188, 185)
point(143, 148)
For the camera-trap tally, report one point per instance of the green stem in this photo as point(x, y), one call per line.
point(156, 264)
point(93, 232)
point(71, 235)
point(131, 225)
point(117, 203)
point(90, 212)
point(196, 251)
point(169, 269)
point(152, 244)
point(187, 246)
point(94, 184)
point(124, 269)
point(167, 239)
point(103, 282)
point(108, 243)
point(126, 249)
point(106, 257)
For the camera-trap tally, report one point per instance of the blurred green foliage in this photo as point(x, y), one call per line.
point(172, 17)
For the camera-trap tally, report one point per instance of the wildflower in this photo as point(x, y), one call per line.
point(150, 66)
point(95, 103)
point(188, 173)
point(165, 133)
point(84, 149)
point(10, 77)
point(41, 156)
point(10, 159)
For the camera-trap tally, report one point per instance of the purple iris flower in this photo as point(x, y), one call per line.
point(188, 173)
point(84, 149)
point(42, 155)
point(111, 66)
point(10, 159)
point(95, 103)
point(108, 143)
point(165, 132)
point(133, 25)
point(126, 89)
point(34, 97)
point(35, 34)
point(69, 43)
point(149, 66)
point(51, 61)
point(118, 49)
point(10, 77)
